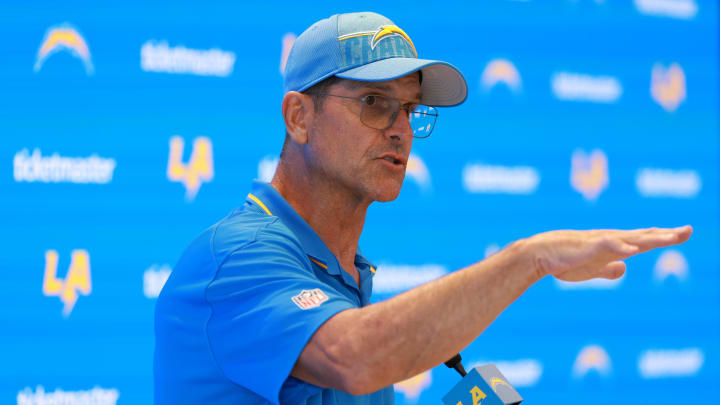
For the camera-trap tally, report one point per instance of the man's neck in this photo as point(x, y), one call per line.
point(336, 216)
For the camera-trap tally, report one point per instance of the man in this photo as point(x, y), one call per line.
point(271, 305)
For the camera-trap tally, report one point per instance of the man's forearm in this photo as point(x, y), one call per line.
point(387, 342)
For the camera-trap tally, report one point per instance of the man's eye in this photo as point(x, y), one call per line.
point(370, 100)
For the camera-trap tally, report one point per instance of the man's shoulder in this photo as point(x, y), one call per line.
point(243, 232)
point(245, 226)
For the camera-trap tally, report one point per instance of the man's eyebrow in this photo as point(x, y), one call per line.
point(380, 87)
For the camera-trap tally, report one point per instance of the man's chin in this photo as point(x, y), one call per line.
point(388, 199)
point(389, 192)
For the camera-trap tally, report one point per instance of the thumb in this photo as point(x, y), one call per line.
point(613, 270)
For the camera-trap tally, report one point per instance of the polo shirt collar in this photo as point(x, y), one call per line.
point(273, 203)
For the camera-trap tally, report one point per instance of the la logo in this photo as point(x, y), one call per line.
point(76, 280)
point(668, 86)
point(199, 169)
point(589, 173)
point(477, 395)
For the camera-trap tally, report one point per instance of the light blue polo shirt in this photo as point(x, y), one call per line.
point(242, 303)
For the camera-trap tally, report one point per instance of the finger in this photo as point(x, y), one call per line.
point(655, 239)
point(613, 270)
point(630, 234)
point(683, 233)
point(652, 230)
point(620, 247)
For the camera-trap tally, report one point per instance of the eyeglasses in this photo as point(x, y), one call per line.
point(380, 112)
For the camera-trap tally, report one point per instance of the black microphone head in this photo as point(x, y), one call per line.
point(453, 361)
point(456, 363)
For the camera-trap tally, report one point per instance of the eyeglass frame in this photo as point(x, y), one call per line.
point(395, 113)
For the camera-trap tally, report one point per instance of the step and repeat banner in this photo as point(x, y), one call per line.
point(128, 128)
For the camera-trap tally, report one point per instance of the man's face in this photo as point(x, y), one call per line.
point(368, 163)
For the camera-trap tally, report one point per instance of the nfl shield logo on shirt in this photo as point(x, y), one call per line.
point(310, 298)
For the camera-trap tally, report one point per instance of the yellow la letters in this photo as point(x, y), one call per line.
point(477, 395)
point(77, 278)
point(199, 169)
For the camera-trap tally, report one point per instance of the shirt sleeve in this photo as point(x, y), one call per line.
point(266, 304)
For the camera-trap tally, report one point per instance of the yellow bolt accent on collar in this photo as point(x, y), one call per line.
point(372, 269)
point(260, 203)
point(318, 263)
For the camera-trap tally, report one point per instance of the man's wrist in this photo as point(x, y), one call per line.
point(526, 252)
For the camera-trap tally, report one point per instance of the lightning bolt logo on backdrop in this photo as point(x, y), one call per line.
point(501, 71)
point(671, 263)
point(64, 37)
point(592, 357)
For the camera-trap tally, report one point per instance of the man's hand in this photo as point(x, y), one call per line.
point(583, 255)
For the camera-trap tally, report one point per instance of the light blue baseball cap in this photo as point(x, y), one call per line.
point(368, 47)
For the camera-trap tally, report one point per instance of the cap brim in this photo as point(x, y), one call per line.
point(442, 83)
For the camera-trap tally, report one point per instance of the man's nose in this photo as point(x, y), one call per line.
point(401, 129)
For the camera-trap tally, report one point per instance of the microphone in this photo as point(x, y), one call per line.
point(482, 385)
point(456, 363)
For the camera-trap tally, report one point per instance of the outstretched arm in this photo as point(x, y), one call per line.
point(362, 350)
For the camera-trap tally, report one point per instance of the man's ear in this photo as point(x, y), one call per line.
point(298, 111)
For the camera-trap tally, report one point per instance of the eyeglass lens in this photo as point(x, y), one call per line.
point(380, 112)
point(422, 121)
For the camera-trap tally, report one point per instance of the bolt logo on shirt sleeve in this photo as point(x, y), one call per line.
point(76, 280)
point(310, 298)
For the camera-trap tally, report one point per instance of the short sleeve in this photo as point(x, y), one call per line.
point(266, 304)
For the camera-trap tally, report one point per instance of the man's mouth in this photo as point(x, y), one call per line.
point(394, 159)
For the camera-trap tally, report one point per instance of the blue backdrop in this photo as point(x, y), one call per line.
point(130, 127)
